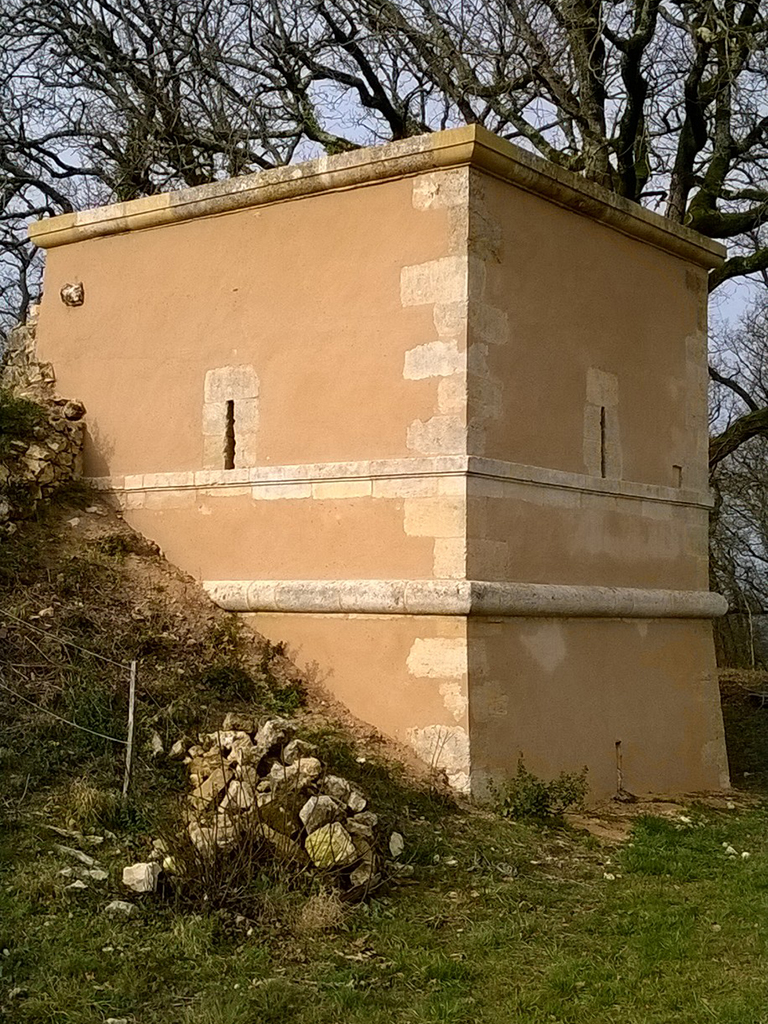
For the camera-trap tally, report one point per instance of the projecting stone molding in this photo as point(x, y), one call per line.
point(388, 478)
point(461, 597)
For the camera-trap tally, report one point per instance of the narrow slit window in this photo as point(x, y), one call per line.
point(602, 440)
point(229, 437)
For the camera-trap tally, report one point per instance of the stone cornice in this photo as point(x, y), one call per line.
point(461, 597)
point(469, 146)
point(473, 468)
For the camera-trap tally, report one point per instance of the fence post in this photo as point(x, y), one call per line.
point(129, 743)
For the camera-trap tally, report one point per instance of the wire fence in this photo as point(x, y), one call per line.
point(63, 640)
point(128, 667)
point(60, 718)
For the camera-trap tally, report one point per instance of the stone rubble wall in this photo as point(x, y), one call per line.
point(33, 469)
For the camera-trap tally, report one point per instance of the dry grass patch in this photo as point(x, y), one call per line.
point(322, 912)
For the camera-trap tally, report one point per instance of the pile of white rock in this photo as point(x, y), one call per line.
point(259, 781)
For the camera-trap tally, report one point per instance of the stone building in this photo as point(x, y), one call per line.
point(435, 414)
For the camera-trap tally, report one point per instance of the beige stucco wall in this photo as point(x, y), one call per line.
point(308, 293)
point(563, 691)
point(591, 539)
point(571, 320)
point(217, 535)
point(583, 308)
point(406, 673)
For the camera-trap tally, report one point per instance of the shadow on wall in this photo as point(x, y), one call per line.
point(98, 449)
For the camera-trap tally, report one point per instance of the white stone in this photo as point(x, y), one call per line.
point(141, 877)
point(602, 387)
point(295, 776)
point(201, 837)
point(318, 811)
point(446, 747)
point(449, 560)
point(437, 281)
point(406, 487)
point(441, 190)
point(364, 874)
point(78, 855)
point(434, 359)
point(356, 801)
point(331, 846)
point(236, 722)
point(396, 845)
point(455, 697)
point(488, 323)
point(435, 517)
point(277, 492)
point(440, 435)
point(170, 480)
point(367, 818)
point(450, 319)
point(177, 751)
point(120, 907)
point(295, 750)
point(452, 395)
point(85, 874)
point(340, 489)
point(240, 795)
point(438, 658)
point(229, 383)
point(273, 732)
point(243, 751)
point(336, 787)
point(358, 828)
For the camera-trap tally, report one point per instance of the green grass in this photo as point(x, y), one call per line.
point(18, 419)
point(678, 934)
point(502, 922)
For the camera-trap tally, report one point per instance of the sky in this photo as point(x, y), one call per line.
point(731, 300)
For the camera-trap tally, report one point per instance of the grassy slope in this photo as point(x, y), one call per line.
point(500, 921)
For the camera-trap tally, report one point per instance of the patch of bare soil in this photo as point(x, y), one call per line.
point(612, 820)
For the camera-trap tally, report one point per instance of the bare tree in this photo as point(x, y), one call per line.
point(739, 525)
point(661, 101)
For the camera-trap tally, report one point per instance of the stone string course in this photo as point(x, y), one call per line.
point(461, 597)
point(395, 478)
point(33, 470)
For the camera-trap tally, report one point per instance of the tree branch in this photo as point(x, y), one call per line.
point(752, 424)
point(734, 385)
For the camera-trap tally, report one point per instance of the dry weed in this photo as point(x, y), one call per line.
point(85, 805)
point(322, 912)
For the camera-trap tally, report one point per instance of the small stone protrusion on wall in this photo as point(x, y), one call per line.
point(33, 468)
point(73, 294)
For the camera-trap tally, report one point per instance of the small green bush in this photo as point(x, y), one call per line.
point(229, 681)
point(528, 796)
point(18, 419)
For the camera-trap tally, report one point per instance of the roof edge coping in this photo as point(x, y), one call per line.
point(467, 146)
